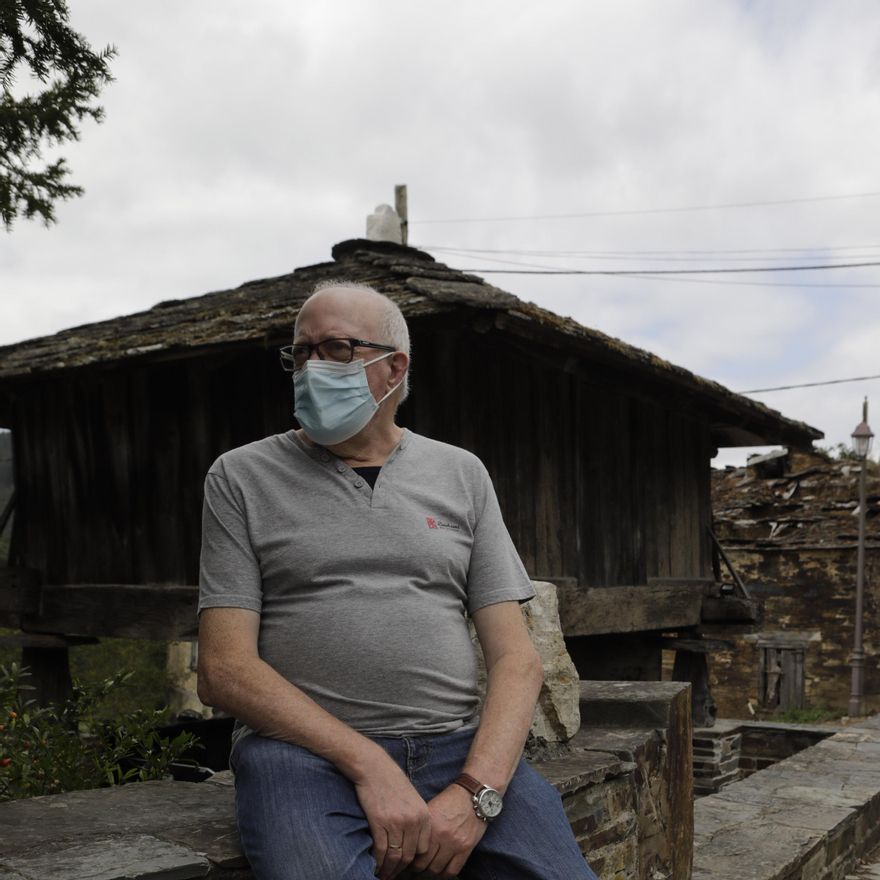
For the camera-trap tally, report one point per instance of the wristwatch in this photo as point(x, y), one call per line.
point(487, 801)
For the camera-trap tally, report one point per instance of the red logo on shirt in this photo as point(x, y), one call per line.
point(432, 523)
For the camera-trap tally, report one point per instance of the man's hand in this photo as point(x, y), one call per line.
point(398, 818)
point(455, 831)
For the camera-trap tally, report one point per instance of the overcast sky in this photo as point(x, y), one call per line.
point(243, 141)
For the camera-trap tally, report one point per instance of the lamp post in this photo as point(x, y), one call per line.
point(862, 437)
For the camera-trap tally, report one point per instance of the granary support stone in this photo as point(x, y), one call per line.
point(557, 715)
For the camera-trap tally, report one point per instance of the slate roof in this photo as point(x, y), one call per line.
point(809, 500)
point(264, 311)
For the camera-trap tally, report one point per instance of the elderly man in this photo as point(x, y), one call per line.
point(338, 564)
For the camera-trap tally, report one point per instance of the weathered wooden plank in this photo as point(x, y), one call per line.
point(707, 583)
point(132, 611)
point(597, 610)
point(19, 595)
point(663, 510)
point(648, 491)
point(543, 433)
point(728, 609)
point(698, 646)
point(44, 640)
point(679, 550)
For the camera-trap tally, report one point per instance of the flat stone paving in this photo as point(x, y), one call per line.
point(809, 817)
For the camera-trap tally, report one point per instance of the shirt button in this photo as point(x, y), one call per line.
point(358, 484)
point(325, 457)
point(340, 468)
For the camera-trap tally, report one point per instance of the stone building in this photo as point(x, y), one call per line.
point(789, 524)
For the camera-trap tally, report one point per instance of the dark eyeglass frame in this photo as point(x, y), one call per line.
point(288, 362)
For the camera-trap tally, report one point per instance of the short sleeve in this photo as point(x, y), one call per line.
point(496, 573)
point(229, 575)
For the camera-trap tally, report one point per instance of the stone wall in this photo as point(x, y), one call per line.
point(624, 780)
point(732, 750)
point(647, 827)
point(810, 592)
point(808, 817)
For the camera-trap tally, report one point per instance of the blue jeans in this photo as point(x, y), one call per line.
point(299, 818)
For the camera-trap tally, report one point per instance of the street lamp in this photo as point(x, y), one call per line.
point(862, 437)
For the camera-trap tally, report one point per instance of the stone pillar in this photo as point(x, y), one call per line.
point(181, 665)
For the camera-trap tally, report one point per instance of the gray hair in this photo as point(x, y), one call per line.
point(392, 324)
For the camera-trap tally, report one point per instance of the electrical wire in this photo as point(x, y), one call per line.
point(677, 279)
point(705, 271)
point(636, 211)
point(809, 384)
point(815, 249)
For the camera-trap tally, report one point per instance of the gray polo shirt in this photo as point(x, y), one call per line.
point(362, 593)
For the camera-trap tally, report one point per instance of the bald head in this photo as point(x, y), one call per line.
point(346, 309)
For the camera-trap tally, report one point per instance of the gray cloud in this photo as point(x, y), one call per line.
point(242, 144)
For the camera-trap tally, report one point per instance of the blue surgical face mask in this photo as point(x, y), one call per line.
point(333, 401)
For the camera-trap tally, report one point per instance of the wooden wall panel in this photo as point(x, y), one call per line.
point(598, 482)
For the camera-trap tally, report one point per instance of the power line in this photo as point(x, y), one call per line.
point(729, 281)
point(647, 272)
point(660, 253)
point(631, 212)
point(809, 384)
point(668, 256)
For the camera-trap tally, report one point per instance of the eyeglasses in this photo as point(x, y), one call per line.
point(293, 357)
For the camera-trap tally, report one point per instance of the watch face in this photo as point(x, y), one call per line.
point(490, 803)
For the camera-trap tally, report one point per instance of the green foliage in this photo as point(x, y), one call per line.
point(816, 715)
point(147, 688)
point(47, 750)
point(35, 36)
point(839, 452)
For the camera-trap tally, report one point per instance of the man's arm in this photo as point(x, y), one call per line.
point(234, 678)
point(514, 676)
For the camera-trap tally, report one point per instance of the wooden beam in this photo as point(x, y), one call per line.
point(45, 640)
point(730, 609)
point(132, 611)
point(736, 578)
point(19, 595)
point(708, 585)
point(602, 610)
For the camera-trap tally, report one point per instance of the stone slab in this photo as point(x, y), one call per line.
point(178, 807)
point(624, 743)
point(133, 857)
point(628, 703)
point(815, 805)
point(580, 769)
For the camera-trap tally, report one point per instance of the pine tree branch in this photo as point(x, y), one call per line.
point(35, 35)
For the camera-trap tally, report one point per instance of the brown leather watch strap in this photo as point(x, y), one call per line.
point(469, 783)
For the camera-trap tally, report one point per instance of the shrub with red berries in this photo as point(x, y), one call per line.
point(51, 749)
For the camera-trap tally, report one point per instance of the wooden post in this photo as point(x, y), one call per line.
point(49, 670)
point(400, 207)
